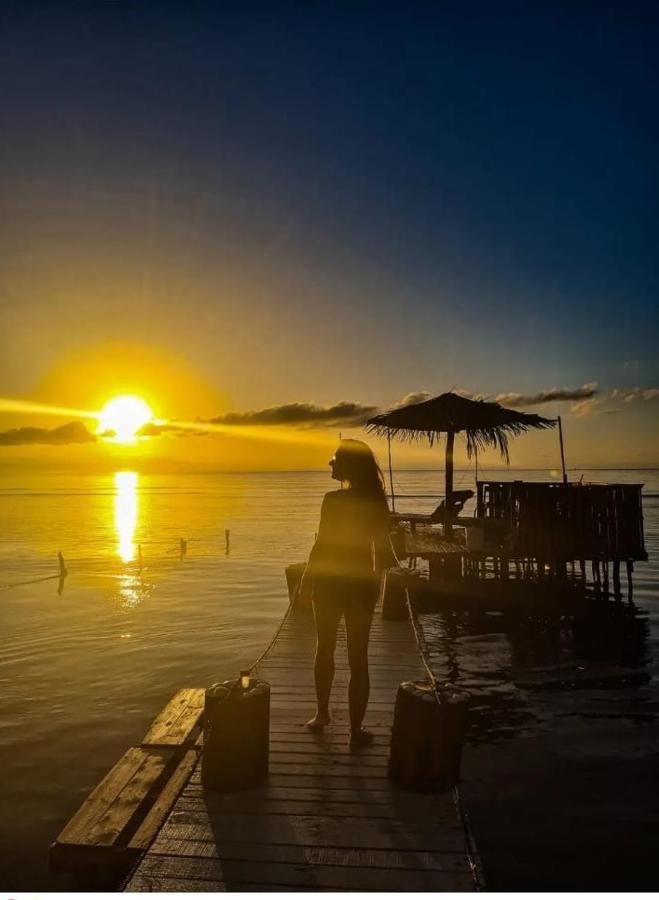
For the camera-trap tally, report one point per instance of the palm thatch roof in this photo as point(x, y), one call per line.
point(486, 424)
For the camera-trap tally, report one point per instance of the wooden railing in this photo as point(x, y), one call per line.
point(553, 521)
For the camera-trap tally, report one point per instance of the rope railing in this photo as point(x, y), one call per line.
point(472, 855)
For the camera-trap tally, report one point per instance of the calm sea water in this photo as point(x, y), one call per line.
point(561, 757)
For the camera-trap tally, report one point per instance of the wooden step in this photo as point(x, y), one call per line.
point(120, 818)
point(177, 724)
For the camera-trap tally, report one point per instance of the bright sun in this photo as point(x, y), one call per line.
point(123, 417)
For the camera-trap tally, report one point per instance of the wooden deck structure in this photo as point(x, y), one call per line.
point(326, 819)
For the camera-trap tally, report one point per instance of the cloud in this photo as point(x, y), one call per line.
point(345, 412)
point(414, 397)
point(588, 407)
point(631, 395)
point(71, 433)
point(550, 395)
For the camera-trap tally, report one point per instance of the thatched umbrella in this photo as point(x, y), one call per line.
point(485, 424)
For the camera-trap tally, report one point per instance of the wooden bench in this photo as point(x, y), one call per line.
point(176, 725)
point(123, 814)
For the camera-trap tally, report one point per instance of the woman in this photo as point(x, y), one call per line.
point(343, 574)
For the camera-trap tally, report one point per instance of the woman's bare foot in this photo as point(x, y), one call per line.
point(360, 738)
point(318, 722)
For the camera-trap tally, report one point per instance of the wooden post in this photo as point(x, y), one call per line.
point(391, 473)
point(560, 438)
point(183, 548)
point(448, 480)
point(227, 542)
point(630, 585)
point(294, 574)
point(427, 736)
point(394, 597)
point(63, 571)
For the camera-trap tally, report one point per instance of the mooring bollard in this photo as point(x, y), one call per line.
point(236, 734)
point(427, 736)
point(294, 574)
point(397, 581)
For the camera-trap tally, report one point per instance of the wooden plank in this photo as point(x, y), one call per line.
point(313, 831)
point(113, 804)
point(324, 792)
point(99, 833)
point(149, 883)
point(338, 877)
point(332, 808)
point(174, 726)
point(155, 817)
point(296, 854)
point(326, 819)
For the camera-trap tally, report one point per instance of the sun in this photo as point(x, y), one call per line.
point(122, 417)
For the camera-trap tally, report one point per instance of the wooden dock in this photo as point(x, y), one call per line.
point(327, 819)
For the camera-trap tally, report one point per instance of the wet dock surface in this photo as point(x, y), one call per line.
point(327, 819)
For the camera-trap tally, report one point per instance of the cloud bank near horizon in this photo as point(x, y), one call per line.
point(586, 400)
point(346, 412)
point(549, 395)
point(71, 433)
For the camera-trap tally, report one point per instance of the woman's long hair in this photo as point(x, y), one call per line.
point(357, 464)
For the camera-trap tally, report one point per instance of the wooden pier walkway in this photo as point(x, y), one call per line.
point(327, 819)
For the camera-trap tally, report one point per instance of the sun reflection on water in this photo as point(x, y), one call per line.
point(125, 513)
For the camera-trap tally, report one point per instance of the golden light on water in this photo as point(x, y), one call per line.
point(125, 513)
point(122, 417)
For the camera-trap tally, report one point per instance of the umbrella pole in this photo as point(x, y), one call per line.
point(391, 474)
point(560, 438)
point(450, 437)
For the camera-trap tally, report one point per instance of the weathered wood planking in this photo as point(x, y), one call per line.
point(123, 814)
point(176, 724)
point(327, 819)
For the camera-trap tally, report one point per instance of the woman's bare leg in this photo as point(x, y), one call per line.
point(358, 627)
point(327, 621)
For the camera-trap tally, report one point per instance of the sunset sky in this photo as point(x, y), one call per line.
point(318, 209)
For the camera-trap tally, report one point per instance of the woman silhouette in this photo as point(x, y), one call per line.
point(343, 576)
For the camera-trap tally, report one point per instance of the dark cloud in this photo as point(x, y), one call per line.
point(550, 395)
point(345, 413)
point(71, 433)
point(155, 429)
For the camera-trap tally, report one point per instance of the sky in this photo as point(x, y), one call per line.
point(230, 208)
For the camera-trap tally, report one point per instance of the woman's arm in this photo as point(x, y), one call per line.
point(307, 577)
point(385, 556)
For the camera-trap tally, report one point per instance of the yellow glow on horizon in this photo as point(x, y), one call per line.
point(125, 513)
point(47, 409)
point(124, 416)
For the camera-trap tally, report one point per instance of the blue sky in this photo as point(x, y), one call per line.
point(333, 201)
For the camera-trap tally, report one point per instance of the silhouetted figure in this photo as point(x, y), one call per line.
point(343, 574)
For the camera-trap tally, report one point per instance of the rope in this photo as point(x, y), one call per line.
point(421, 644)
point(267, 650)
point(273, 640)
point(472, 855)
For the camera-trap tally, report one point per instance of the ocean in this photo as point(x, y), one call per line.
point(561, 763)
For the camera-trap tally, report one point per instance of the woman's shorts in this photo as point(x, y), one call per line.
point(341, 594)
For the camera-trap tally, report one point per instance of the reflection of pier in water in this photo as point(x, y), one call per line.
point(515, 665)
